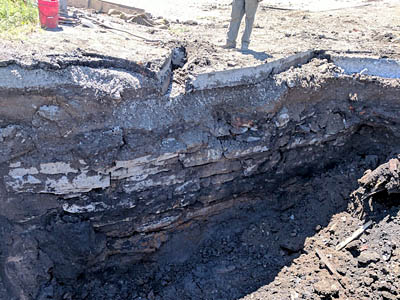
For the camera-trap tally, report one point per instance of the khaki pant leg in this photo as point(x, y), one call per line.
point(238, 10)
point(250, 8)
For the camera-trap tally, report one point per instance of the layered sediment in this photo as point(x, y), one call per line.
point(101, 166)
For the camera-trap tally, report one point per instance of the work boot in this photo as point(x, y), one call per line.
point(228, 46)
point(245, 48)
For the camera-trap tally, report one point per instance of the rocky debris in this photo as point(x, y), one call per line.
point(366, 274)
point(327, 288)
point(367, 267)
point(367, 257)
point(140, 18)
point(378, 187)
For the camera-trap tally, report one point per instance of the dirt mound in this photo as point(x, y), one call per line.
point(368, 267)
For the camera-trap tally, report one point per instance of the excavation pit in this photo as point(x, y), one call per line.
point(115, 189)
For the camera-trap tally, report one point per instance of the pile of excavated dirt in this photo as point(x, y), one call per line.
point(366, 268)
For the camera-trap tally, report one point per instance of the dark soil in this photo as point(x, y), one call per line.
point(269, 253)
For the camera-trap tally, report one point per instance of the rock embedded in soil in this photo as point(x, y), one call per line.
point(292, 244)
point(367, 257)
point(327, 288)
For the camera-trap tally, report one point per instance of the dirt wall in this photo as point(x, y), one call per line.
point(100, 169)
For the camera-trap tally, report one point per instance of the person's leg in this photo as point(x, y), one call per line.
point(238, 9)
point(250, 8)
point(63, 8)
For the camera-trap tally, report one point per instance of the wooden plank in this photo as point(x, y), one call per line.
point(354, 236)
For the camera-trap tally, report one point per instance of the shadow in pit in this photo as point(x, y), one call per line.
point(235, 253)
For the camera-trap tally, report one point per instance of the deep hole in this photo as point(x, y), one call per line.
point(215, 206)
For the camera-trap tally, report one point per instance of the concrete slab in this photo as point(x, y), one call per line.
point(249, 75)
point(104, 6)
point(386, 68)
point(317, 5)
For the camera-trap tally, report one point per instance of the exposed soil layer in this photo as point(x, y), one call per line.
point(253, 246)
point(114, 190)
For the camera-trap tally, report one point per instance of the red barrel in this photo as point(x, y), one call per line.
point(48, 13)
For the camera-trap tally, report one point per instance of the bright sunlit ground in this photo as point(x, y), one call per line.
point(188, 9)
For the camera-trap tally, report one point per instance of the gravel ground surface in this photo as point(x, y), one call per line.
point(371, 30)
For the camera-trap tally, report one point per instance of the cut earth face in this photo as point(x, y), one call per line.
point(113, 189)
